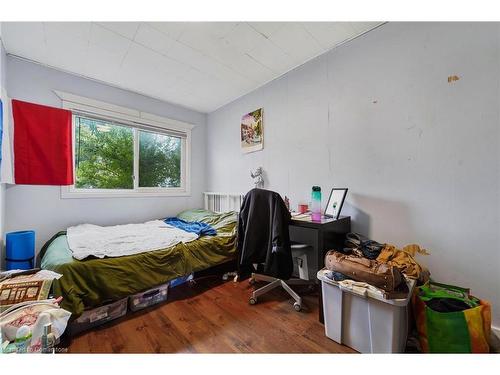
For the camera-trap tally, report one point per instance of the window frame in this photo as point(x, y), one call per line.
point(136, 120)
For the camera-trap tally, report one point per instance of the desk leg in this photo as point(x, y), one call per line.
point(321, 264)
point(322, 238)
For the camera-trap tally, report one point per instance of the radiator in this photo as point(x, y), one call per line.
point(222, 202)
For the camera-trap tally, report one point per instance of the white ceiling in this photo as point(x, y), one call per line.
point(199, 65)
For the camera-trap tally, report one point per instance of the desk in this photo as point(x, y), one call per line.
point(321, 236)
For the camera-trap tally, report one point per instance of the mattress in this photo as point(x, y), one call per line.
point(93, 282)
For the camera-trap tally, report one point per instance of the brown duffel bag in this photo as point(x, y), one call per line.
point(369, 271)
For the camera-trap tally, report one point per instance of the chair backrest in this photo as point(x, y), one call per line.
point(263, 233)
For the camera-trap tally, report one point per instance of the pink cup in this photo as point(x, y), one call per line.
point(303, 208)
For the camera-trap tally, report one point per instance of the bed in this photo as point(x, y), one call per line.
point(94, 282)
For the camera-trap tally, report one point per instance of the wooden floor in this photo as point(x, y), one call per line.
point(215, 317)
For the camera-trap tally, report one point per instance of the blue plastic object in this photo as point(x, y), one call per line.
point(20, 250)
point(181, 280)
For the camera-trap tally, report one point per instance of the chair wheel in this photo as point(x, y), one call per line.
point(251, 281)
point(225, 277)
point(252, 301)
point(297, 306)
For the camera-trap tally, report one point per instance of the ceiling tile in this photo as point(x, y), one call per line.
point(329, 34)
point(238, 62)
point(67, 44)
point(247, 66)
point(272, 57)
point(104, 64)
point(188, 56)
point(243, 38)
point(361, 27)
point(152, 38)
point(25, 39)
point(105, 54)
point(296, 41)
point(103, 68)
point(171, 29)
point(206, 64)
point(219, 29)
point(140, 59)
point(223, 57)
point(67, 30)
point(201, 41)
point(215, 30)
point(113, 43)
point(267, 28)
point(199, 78)
point(125, 29)
point(68, 56)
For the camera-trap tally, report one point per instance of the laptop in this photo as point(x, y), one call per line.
point(335, 203)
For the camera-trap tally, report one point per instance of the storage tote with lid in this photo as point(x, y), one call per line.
point(368, 322)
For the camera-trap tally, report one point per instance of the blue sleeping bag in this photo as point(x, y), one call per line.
point(198, 227)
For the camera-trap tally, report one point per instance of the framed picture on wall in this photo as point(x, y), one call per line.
point(252, 131)
point(335, 202)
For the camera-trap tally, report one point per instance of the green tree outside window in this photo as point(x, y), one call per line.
point(104, 156)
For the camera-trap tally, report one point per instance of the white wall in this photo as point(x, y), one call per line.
point(41, 208)
point(3, 59)
point(419, 155)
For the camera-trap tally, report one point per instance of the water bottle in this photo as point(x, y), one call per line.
point(23, 339)
point(316, 203)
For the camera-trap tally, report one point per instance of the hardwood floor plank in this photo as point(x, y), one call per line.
point(215, 317)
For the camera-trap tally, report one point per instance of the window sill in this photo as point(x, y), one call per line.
point(70, 193)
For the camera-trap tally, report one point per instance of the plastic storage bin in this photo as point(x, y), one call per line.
point(148, 298)
point(368, 324)
point(100, 315)
point(20, 250)
point(181, 280)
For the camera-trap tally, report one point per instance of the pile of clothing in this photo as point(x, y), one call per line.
point(383, 266)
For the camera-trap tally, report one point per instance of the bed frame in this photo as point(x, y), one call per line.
point(222, 202)
point(216, 202)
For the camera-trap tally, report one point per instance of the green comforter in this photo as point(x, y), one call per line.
point(92, 282)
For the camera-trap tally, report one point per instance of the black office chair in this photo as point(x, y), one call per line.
point(264, 248)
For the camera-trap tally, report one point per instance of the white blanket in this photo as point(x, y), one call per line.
point(87, 239)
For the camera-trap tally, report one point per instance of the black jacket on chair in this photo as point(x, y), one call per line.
point(263, 234)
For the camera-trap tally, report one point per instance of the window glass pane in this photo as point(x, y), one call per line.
point(104, 155)
point(159, 160)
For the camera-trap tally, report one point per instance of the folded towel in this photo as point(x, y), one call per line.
point(198, 227)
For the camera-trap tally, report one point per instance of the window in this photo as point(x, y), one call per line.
point(125, 157)
point(104, 155)
point(159, 160)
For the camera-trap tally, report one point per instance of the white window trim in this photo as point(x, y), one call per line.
point(132, 118)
